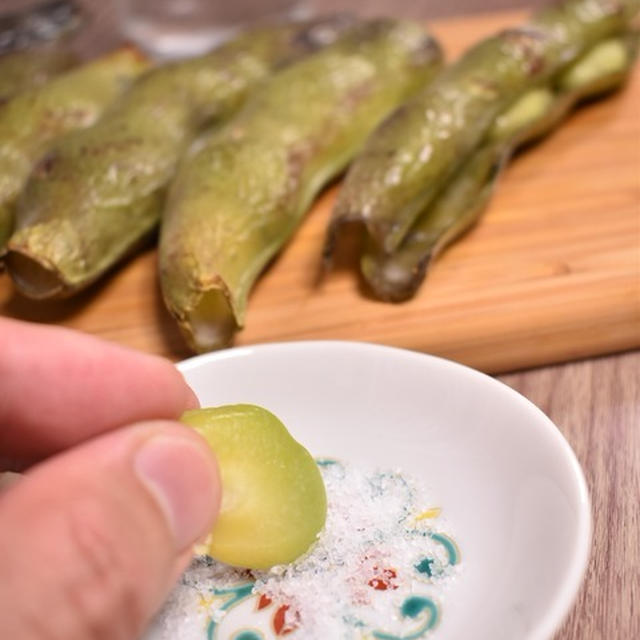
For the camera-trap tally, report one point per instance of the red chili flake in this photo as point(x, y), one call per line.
point(384, 581)
point(263, 602)
point(281, 625)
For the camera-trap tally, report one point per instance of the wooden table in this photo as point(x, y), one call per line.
point(594, 402)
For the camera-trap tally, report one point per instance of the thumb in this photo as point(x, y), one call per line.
point(92, 540)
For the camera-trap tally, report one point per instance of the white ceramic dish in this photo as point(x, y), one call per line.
point(509, 482)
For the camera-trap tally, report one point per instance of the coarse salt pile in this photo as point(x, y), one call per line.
point(382, 565)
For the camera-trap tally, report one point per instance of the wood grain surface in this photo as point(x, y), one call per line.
point(594, 402)
point(596, 405)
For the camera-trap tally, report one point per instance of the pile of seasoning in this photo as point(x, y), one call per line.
point(381, 568)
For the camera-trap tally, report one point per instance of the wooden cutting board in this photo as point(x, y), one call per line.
point(551, 273)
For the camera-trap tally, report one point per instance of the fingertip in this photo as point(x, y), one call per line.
point(115, 518)
point(185, 397)
point(192, 399)
point(78, 387)
point(181, 475)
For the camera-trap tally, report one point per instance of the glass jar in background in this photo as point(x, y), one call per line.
point(178, 28)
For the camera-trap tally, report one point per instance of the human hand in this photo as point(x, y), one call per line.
point(96, 532)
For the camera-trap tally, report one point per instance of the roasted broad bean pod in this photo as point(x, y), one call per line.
point(96, 194)
point(33, 119)
point(396, 276)
point(411, 156)
point(241, 191)
point(23, 70)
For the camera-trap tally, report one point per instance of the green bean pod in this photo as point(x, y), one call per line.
point(407, 161)
point(96, 194)
point(23, 70)
point(241, 192)
point(33, 119)
point(397, 276)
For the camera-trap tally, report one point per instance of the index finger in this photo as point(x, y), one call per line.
point(59, 388)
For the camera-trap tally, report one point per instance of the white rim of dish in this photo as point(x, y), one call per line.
point(551, 621)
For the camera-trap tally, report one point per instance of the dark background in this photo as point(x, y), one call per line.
point(102, 14)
